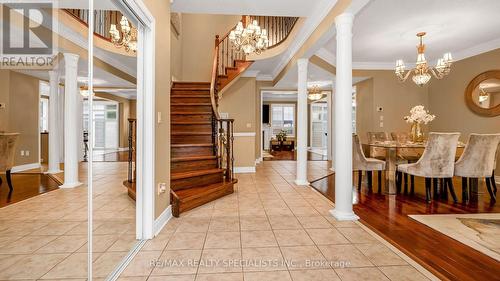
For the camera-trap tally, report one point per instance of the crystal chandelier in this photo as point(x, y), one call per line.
point(129, 39)
point(251, 39)
point(483, 95)
point(315, 93)
point(421, 72)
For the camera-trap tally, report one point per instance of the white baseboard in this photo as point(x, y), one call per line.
point(241, 170)
point(162, 220)
point(25, 167)
point(497, 179)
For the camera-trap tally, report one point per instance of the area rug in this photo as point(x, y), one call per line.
point(478, 231)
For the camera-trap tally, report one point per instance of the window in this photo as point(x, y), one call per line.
point(44, 114)
point(283, 118)
point(105, 122)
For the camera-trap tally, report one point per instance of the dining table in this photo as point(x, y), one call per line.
point(391, 158)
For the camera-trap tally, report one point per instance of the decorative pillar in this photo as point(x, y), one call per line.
point(302, 123)
point(330, 127)
point(71, 121)
point(343, 120)
point(53, 123)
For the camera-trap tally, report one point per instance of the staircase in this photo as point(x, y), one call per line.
point(198, 175)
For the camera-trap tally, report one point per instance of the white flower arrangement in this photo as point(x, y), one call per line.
point(419, 115)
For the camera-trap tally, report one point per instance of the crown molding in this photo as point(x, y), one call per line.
point(264, 77)
point(477, 50)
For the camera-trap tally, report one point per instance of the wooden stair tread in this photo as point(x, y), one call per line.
point(190, 174)
point(191, 89)
point(195, 192)
point(191, 144)
point(191, 133)
point(192, 103)
point(191, 122)
point(190, 96)
point(193, 158)
point(190, 112)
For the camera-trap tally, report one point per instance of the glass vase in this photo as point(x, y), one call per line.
point(417, 134)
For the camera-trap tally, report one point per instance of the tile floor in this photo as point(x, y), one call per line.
point(45, 237)
point(268, 229)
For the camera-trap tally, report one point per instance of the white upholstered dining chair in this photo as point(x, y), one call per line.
point(437, 161)
point(8, 143)
point(478, 161)
point(361, 163)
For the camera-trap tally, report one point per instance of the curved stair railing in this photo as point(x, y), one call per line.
point(103, 20)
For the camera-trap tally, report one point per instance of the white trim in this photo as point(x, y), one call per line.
point(258, 160)
point(250, 73)
point(25, 167)
point(243, 170)
point(301, 183)
point(162, 220)
point(264, 77)
point(244, 134)
point(344, 216)
point(497, 179)
point(126, 261)
point(122, 148)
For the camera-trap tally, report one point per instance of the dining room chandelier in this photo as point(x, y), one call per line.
point(315, 93)
point(421, 72)
point(250, 39)
point(128, 39)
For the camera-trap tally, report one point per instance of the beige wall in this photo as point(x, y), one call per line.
point(176, 54)
point(20, 94)
point(447, 100)
point(239, 100)
point(198, 40)
point(161, 13)
point(396, 99)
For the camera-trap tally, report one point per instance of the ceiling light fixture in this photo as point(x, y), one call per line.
point(250, 39)
point(315, 93)
point(129, 38)
point(421, 72)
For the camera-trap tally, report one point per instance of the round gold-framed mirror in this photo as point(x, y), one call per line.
point(482, 95)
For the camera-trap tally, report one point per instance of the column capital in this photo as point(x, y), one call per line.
point(54, 75)
point(302, 63)
point(71, 60)
point(344, 19)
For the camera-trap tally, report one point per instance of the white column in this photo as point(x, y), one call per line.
point(302, 123)
point(343, 120)
point(53, 123)
point(71, 97)
point(331, 100)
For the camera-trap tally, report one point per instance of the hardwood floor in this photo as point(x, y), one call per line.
point(292, 155)
point(25, 186)
point(445, 257)
point(118, 156)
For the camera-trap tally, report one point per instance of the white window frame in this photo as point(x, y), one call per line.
point(282, 105)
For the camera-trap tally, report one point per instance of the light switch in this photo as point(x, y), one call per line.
point(159, 117)
point(381, 124)
point(381, 117)
point(2, 105)
point(249, 125)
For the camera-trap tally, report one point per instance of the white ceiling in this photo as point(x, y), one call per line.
point(384, 30)
point(81, 4)
point(296, 8)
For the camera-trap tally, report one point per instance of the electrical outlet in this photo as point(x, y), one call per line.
point(162, 188)
point(2, 105)
point(22, 152)
point(27, 153)
point(159, 117)
point(381, 124)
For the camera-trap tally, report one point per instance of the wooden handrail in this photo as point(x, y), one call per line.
point(213, 83)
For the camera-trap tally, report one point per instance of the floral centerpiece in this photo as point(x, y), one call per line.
point(418, 116)
point(281, 136)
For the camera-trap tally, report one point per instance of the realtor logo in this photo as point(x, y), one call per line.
point(27, 35)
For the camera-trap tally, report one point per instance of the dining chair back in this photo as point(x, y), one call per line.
point(8, 142)
point(361, 163)
point(401, 137)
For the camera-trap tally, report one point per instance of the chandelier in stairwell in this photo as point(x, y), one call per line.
point(422, 71)
point(250, 39)
point(128, 40)
point(315, 93)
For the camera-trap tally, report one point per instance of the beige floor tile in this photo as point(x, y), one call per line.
point(100, 243)
point(357, 235)
point(222, 240)
point(380, 255)
point(186, 241)
point(361, 274)
point(142, 264)
point(251, 239)
point(189, 277)
point(340, 224)
point(304, 257)
point(268, 276)
point(220, 260)
point(263, 259)
point(74, 266)
point(254, 223)
point(279, 212)
point(32, 266)
point(137, 278)
point(292, 237)
point(6, 240)
point(326, 236)
point(314, 222)
point(64, 244)
point(224, 224)
point(234, 276)
point(253, 212)
point(304, 211)
point(106, 262)
point(284, 222)
point(402, 273)
point(7, 261)
point(193, 225)
point(344, 256)
point(316, 275)
point(55, 228)
point(124, 243)
point(159, 242)
point(27, 244)
point(177, 262)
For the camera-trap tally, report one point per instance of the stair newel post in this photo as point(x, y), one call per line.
point(232, 148)
point(229, 135)
point(131, 129)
